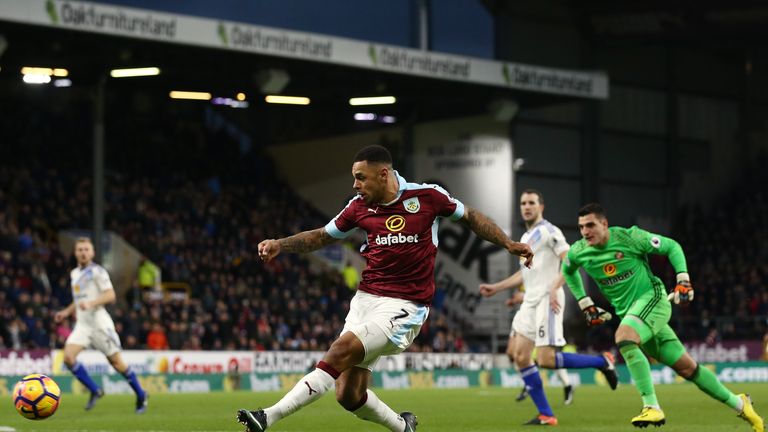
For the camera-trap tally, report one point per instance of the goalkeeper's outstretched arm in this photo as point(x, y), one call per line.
point(593, 314)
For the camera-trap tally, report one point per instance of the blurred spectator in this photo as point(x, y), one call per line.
point(156, 338)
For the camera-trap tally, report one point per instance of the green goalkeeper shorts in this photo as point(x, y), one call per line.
point(649, 316)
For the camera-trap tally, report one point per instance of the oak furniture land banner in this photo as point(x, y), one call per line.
point(211, 33)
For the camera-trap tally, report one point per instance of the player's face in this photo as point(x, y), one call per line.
point(370, 181)
point(594, 229)
point(84, 253)
point(530, 207)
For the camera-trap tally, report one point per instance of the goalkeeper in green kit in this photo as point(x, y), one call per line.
point(617, 259)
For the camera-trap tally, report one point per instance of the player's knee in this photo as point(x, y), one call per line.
point(546, 357)
point(511, 353)
point(626, 334)
point(349, 398)
point(686, 367)
point(70, 360)
point(523, 359)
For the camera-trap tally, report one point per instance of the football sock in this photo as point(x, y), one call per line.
point(82, 375)
point(640, 370)
point(130, 375)
point(307, 390)
point(536, 389)
point(372, 409)
point(578, 361)
point(707, 382)
point(562, 375)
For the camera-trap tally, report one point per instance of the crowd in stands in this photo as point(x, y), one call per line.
point(195, 196)
point(727, 252)
point(202, 228)
point(203, 233)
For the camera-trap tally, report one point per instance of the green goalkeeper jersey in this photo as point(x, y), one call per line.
point(620, 267)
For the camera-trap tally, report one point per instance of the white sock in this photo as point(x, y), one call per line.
point(562, 375)
point(307, 390)
point(374, 410)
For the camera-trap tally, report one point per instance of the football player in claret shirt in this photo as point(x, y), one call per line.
point(617, 259)
point(395, 291)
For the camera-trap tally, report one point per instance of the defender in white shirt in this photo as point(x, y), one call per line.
point(91, 290)
point(539, 322)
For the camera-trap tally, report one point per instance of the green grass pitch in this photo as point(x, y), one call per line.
point(492, 409)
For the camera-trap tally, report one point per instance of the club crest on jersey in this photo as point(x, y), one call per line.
point(412, 205)
point(609, 269)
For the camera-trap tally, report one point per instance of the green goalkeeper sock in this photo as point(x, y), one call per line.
point(640, 370)
point(707, 382)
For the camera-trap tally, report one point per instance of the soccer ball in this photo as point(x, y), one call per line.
point(36, 397)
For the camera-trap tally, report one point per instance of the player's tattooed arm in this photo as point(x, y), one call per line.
point(487, 229)
point(306, 241)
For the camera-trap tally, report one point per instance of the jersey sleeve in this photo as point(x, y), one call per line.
point(650, 243)
point(101, 278)
point(570, 268)
point(557, 242)
point(446, 205)
point(344, 224)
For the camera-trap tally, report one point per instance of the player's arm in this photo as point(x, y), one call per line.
point(106, 297)
point(570, 270)
point(556, 285)
point(306, 241)
point(513, 281)
point(660, 245)
point(487, 230)
point(62, 314)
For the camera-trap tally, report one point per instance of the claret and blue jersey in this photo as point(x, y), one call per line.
point(401, 239)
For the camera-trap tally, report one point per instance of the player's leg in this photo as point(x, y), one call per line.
point(76, 342)
point(107, 341)
point(565, 380)
point(647, 316)
point(116, 360)
point(388, 329)
point(524, 326)
point(668, 349)
point(511, 356)
point(345, 352)
point(550, 337)
point(353, 394)
point(530, 374)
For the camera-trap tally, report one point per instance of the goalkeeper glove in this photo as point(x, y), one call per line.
point(683, 292)
point(595, 315)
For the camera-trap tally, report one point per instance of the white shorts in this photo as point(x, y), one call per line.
point(103, 339)
point(385, 325)
point(539, 323)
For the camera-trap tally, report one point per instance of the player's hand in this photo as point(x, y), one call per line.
point(595, 315)
point(554, 304)
point(488, 290)
point(59, 316)
point(523, 251)
point(683, 293)
point(515, 300)
point(268, 249)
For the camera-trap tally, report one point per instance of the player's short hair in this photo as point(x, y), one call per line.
point(83, 240)
point(593, 208)
point(374, 153)
point(534, 192)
